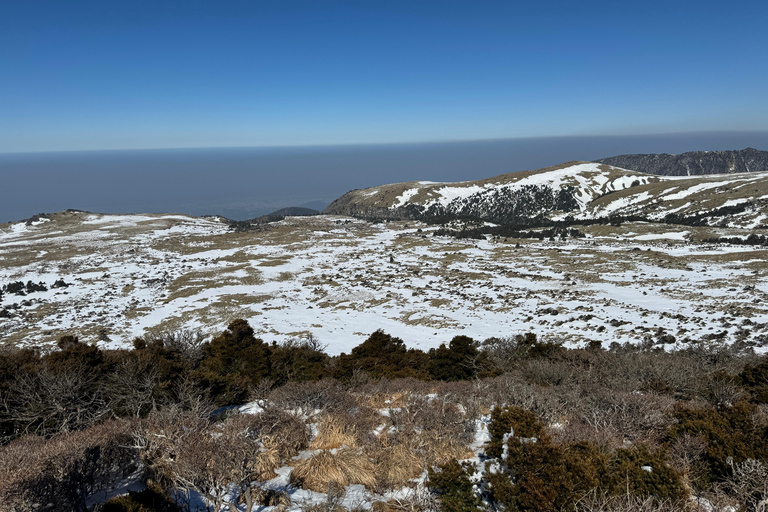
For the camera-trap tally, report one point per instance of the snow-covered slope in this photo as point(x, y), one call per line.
point(579, 189)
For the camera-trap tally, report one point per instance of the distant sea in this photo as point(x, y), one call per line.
point(242, 183)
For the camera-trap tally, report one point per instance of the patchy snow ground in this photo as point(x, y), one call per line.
point(341, 279)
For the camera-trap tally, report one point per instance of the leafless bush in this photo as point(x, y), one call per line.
point(202, 463)
point(132, 388)
point(546, 372)
point(47, 402)
point(502, 352)
point(288, 430)
point(392, 388)
point(749, 484)
point(686, 457)
point(724, 392)
point(599, 502)
point(434, 414)
point(631, 416)
point(185, 451)
point(189, 397)
point(311, 397)
point(261, 390)
point(760, 416)
point(552, 404)
point(576, 430)
point(418, 498)
point(161, 435)
point(359, 380)
point(334, 497)
point(212, 460)
point(470, 395)
point(189, 343)
point(62, 473)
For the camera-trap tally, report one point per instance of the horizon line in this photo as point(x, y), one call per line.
point(395, 143)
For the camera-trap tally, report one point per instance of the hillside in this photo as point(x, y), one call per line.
point(693, 163)
point(580, 190)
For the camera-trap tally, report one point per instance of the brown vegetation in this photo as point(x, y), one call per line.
point(587, 429)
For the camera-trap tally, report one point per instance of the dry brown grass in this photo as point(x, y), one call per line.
point(382, 400)
point(334, 432)
point(268, 460)
point(345, 467)
point(396, 465)
point(439, 449)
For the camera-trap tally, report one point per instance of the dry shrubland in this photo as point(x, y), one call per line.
point(581, 429)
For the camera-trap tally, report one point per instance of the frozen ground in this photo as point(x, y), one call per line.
point(340, 279)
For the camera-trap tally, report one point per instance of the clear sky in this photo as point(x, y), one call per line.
point(79, 75)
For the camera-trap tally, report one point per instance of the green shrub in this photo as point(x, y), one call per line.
point(451, 482)
point(754, 378)
point(503, 419)
point(731, 435)
point(381, 355)
point(540, 476)
point(232, 363)
point(151, 499)
point(461, 360)
point(642, 472)
point(296, 363)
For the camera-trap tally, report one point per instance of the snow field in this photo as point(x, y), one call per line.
point(340, 280)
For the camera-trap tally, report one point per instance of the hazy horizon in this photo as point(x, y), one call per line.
point(242, 183)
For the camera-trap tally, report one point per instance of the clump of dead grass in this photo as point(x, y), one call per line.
point(344, 467)
point(334, 432)
point(396, 465)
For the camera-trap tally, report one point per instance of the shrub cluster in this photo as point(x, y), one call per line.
point(566, 427)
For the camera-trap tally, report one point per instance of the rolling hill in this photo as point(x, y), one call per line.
point(578, 190)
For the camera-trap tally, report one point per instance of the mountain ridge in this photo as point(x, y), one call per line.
point(577, 190)
point(693, 163)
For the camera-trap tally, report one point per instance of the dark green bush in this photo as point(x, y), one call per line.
point(461, 360)
point(731, 435)
point(151, 499)
point(451, 482)
point(642, 472)
point(233, 363)
point(503, 419)
point(381, 355)
point(297, 363)
point(539, 475)
point(754, 378)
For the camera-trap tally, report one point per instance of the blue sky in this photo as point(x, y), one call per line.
point(81, 75)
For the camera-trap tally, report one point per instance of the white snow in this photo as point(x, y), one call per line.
point(403, 198)
point(336, 281)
